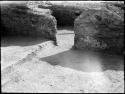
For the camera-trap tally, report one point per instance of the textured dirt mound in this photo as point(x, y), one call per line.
point(18, 19)
point(100, 30)
point(66, 11)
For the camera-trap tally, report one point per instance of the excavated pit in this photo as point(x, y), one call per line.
point(107, 67)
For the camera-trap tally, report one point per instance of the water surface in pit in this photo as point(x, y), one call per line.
point(86, 61)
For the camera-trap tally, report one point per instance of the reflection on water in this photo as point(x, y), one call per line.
point(86, 61)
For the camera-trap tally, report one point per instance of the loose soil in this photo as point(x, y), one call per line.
point(36, 65)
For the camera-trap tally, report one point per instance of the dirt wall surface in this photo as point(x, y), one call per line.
point(100, 30)
point(67, 11)
point(36, 65)
point(18, 19)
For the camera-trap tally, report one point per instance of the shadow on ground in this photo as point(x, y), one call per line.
point(86, 61)
point(20, 41)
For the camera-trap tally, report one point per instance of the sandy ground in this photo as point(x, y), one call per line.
point(14, 49)
point(23, 71)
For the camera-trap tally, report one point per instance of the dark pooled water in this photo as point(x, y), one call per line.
point(86, 61)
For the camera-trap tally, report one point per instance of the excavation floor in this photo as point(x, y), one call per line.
point(58, 69)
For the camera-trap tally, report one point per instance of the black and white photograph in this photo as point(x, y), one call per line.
point(62, 46)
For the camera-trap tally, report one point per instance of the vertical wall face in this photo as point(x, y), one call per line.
point(65, 15)
point(100, 30)
point(17, 19)
point(66, 11)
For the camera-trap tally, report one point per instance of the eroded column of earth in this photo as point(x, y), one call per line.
point(18, 19)
point(101, 30)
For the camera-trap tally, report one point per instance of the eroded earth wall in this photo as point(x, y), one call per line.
point(18, 19)
point(67, 11)
point(101, 30)
point(100, 26)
